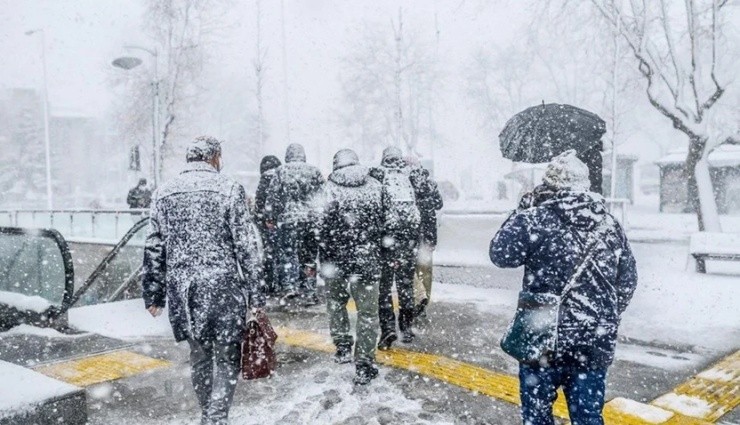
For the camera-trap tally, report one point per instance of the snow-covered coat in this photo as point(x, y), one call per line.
point(351, 222)
point(200, 235)
point(550, 241)
point(291, 192)
point(392, 161)
point(429, 200)
point(268, 170)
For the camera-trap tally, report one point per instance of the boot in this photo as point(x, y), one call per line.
point(343, 354)
point(420, 310)
point(408, 336)
point(364, 373)
point(386, 340)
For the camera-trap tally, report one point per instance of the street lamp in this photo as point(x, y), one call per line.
point(130, 62)
point(47, 148)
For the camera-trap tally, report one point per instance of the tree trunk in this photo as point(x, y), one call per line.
point(700, 189)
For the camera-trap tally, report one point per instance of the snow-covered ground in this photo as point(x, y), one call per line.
point(22, 389)
point(126, 320)
point(672, 303)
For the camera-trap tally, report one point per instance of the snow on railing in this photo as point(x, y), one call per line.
point(98, 224)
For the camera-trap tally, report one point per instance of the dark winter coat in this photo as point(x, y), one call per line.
point(429, 201)
point(549, 240)
point(200, 235)
point(392, 160)
point(291, 192)
point(351, 222)
point(268, 168)
point(139, 197)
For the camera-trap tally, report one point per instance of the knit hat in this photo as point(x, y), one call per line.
point(345, 158)
point(203, 148)
point(567, 172)
point(268, 163)
point(295, 153)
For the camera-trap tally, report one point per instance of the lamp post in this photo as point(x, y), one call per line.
point(47, 146)
point(127, 63)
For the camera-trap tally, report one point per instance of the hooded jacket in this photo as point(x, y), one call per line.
point(351, 222)
point(393, 161)
point(268, 167)
point(291, 192)
point(200, 236)
point(429, 201)
point(550, 240)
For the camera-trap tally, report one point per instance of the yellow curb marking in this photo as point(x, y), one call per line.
point(708, 395)
point(101, 368)
point(493, 384)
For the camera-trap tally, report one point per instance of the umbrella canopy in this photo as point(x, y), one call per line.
point(541, 132)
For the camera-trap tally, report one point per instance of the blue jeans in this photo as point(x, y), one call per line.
point(583, 388)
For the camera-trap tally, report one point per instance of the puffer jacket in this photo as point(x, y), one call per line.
point(429, 201)
point(291, 192)
point(200, 235)
point(351, 222)
point(550, 240)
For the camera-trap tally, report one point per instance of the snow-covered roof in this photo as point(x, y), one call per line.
point(723, 156)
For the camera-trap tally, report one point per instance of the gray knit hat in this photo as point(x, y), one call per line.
point(203, 148)
point(345, 158)
point(567, 172)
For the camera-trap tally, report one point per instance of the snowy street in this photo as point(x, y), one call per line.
point(509, 212)
point(659, 349)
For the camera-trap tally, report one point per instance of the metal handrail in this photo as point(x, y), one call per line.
point(64, 219)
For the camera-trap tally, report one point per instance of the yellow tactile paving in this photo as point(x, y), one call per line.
point(496, 385)
point(710, 394)
point(101, 368)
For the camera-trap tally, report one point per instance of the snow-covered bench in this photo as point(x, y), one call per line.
point(714, 246)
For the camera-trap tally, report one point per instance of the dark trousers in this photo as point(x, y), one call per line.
point(272, 259)
point(398, 264)
point(298, 251)
point(214, 372)
point(583, 388)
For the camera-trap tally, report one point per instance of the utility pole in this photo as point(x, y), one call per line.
point(398, 114)
point(259, 72)
point(47, 144)
point(615, 75)
point(286, 91)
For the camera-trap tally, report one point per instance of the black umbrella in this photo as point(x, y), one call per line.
point(541, 132)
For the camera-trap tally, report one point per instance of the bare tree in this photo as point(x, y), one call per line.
point(678, 50)
point(388, 82)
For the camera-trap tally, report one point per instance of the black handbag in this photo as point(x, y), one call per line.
point(532, 335)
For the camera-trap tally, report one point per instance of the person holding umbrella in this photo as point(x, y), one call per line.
point(578, 265)
point(538, 134)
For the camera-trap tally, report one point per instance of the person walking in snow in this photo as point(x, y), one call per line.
point(200, 235)
point(290, 204)
point(267, 227)
point(564, 237)
point(139, 196)
point(429, 201)
point(351, 233)
point(400, 240)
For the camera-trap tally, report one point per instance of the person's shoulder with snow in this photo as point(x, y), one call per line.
point(562, 201)
point(199, 173)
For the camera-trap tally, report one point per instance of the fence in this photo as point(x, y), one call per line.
point(110, 225)
point(107, 225)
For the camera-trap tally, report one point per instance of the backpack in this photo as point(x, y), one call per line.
point(401, 211)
